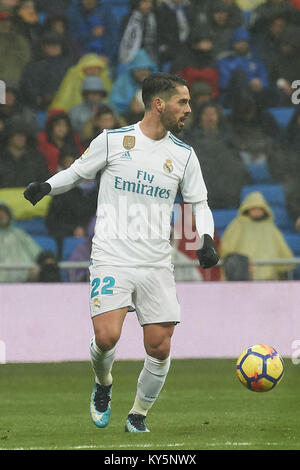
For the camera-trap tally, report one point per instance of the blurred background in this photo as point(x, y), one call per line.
point(70, 68)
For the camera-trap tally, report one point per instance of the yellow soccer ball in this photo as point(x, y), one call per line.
point(260, 368)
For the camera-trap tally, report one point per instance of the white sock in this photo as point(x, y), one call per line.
point(102, 362)
point(150, 383)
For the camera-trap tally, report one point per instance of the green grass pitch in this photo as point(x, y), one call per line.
point(202, 406)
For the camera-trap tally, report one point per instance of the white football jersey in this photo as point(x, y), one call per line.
point(139, 181)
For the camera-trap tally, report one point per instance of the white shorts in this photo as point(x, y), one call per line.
point(150, 291)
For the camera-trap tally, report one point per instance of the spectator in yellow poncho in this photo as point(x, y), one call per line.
point(69, 93)
point(248, 5)
point(253, 233)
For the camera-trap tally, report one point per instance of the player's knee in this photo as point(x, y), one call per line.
point(106, 341)
point(159, 351)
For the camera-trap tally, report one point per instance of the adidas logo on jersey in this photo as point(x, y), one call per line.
point(126, 155)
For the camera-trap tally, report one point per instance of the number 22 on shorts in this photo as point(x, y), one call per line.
point(106, 286)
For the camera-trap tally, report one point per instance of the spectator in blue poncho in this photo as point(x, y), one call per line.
point(79, 15)
point(96, 44)
point(242, 69)
point(130, 81)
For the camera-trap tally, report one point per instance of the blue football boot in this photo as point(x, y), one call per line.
point(100, 405)
point(136, 423)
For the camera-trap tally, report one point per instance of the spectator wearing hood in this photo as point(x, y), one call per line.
point(215, 147)
point(196, 61)
point(13, 62)
point(57, 22)
point(16, 247)
point(57, 134)
point(254, 234)
point(174, 21)
point(20, 162)
point(69, 93)
point(41, 77)
point(260, 16)
point(130, 81)
point(222, 22)
point(285, 67)
point(201, 12)
point(139, 31)
point(93, 92)
point(26, 20)
point(242, 70)
point(237, 18)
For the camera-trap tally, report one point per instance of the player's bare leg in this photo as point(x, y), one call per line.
point(157, 341)
point(107, 330)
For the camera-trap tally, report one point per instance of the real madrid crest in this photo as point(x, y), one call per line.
point(168, 166)
point(129, 142)
point(85, 153)
point(96, 303)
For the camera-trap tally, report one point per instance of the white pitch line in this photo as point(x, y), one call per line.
point(235, 444)
point(144, 446)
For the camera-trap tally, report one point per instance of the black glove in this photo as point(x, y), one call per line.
point(207, 256)
point(36, 191)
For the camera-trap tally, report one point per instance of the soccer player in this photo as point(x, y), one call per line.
point(142, 167)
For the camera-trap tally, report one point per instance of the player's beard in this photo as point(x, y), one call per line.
point(170, 123)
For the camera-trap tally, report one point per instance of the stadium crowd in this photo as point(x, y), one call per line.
point(72, 68)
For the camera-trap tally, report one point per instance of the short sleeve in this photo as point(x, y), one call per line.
point(192, 185)
point(93, 159)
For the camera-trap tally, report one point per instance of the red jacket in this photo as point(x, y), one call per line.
point(207, 74)
point(295, 3)
point(51, 152)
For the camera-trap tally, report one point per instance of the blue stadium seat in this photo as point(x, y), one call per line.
point(259, 172)
point(46, 243)
point(282, 115)
point(273, 193)
point(69, 245)
point(282, 219)
point(296, 273)
point(222, 218)
point(293, 240)
point(34, 226)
